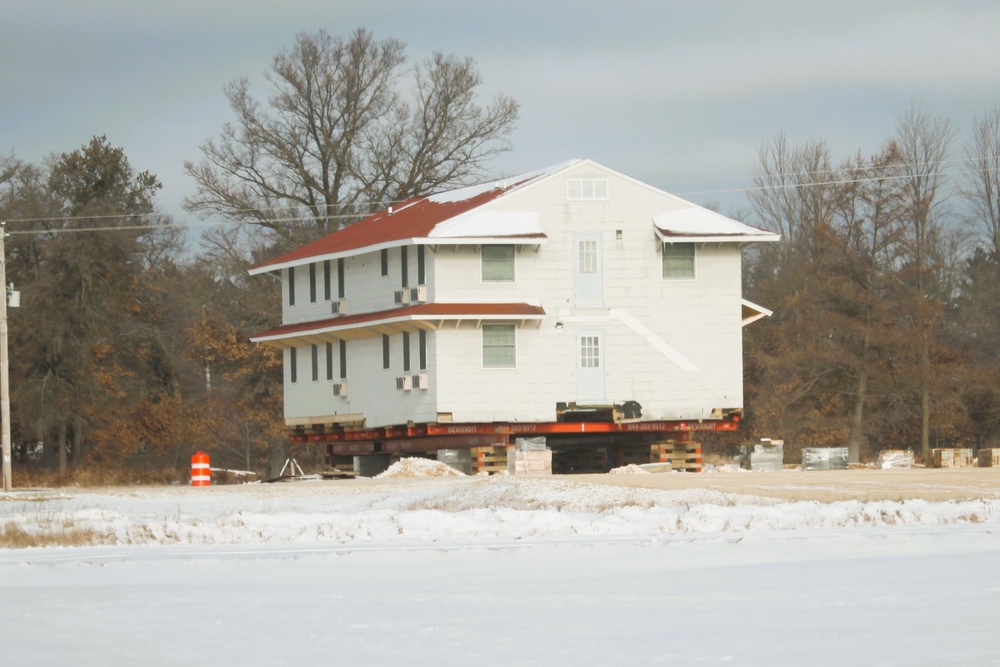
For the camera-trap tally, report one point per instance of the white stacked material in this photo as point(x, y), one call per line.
point(459, 459)
point(824, 458)
point(767, 454)
point(895, 458)
point(529, 462)
point(535, 444)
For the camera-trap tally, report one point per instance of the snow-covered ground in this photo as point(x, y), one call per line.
point(496, 571)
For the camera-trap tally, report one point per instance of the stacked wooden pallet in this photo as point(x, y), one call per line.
point(681, 455)
point(989, 458)
point(951, 458)
point(489, 459)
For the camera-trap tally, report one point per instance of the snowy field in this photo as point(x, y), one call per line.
point(496, 571)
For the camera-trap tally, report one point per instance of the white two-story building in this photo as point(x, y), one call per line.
point(570, 288)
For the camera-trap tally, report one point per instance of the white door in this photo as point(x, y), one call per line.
point(588, 274)
point(590, 366)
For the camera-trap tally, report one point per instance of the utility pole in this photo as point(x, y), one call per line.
point(4, 365)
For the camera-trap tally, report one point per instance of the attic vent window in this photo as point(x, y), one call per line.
point(587, 189)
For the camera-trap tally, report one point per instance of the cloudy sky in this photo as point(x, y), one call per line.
point(679, 94)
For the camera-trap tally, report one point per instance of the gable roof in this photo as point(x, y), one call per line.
point(451, 215)
point(458, 216)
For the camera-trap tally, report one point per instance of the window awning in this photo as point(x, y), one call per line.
point(700, 225)
point(428, 316)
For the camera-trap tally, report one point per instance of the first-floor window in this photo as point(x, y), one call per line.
point(499, 346)
point(406, 352)
point(385, 352)
point(678, 260)
point(422, 345)
point(343, 359)
point(293, 369)
point(315, 363)
point(329, 361)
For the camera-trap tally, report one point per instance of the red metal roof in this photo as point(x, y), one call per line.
point(426, 311)
point(414, 218)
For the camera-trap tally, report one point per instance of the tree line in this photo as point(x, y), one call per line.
point(130, 351)
point(885, 289)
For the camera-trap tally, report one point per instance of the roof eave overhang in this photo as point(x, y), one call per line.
point(673, 237)
point(388, 326)
point(536, 239)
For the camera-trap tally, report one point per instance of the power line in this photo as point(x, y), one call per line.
point(812, 184)
point(345, 216)
point(146, 227)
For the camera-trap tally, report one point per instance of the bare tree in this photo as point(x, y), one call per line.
point(870, 232)
point(923, 142)
point(982, 186)
point(336, 136)
point(793, 189)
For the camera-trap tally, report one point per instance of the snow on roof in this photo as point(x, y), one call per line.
point(471, 191)
point(697, 223)
point(434, 216)
point(490, 224)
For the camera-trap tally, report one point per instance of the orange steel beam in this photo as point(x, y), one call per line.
point(506, 429)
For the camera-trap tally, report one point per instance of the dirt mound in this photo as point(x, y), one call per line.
point(630, 469)
point(416, 467)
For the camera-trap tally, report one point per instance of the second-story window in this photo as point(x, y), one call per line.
point(678, 260)
point(421, 272)
point(312, 283)
point(404, 267)
point(327, 279)
point(291, 286)
point(385, 261)
point(340, 278)
point(498, 263)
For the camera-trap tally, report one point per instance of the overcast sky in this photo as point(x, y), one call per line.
point(679, 95)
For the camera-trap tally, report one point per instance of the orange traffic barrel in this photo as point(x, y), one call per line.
point(200, 473)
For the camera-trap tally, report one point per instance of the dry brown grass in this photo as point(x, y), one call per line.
point(95, 476)
point(12, 536)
